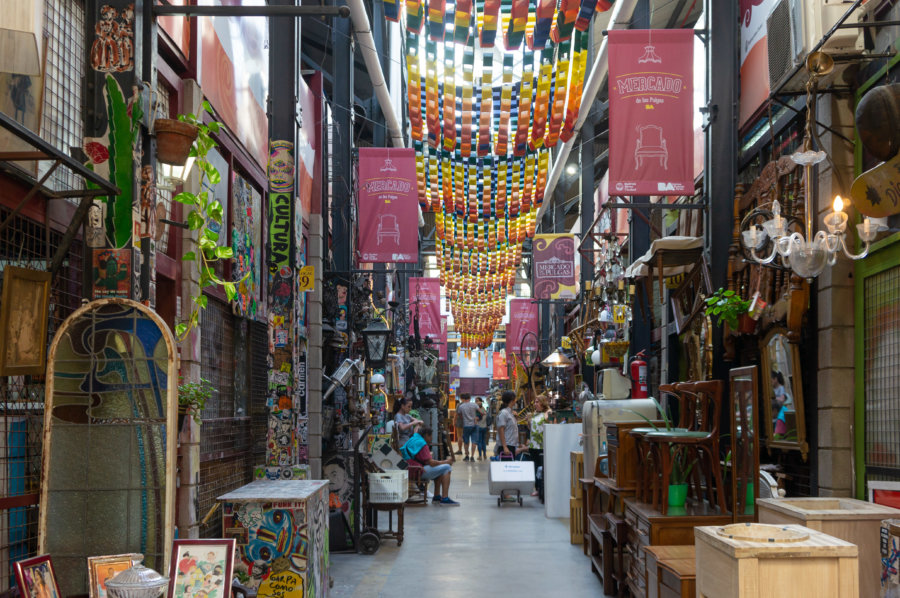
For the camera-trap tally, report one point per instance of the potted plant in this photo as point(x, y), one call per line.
point(192, 397)
point(174, 138)
point(678, 480)
point(727, 306)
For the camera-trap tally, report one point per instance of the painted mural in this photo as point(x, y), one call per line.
point(112, 50)
point(282, 546)
point(246, 205)
point(111, 273)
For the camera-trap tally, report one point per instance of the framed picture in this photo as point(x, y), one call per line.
point(201, 568)
point(103, 568)
point(36, 577)
point(23, 321)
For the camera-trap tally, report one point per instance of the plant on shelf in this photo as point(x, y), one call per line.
point(205, 215)
point(727, 306)
point(192, 397)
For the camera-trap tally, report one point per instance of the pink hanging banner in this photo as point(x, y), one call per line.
point(388, 200)
point(523, 318)
point(651, 98)
point(425, 301)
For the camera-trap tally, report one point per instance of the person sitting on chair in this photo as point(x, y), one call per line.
point(417, 453)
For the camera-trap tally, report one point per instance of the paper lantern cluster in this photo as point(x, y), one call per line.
point(483, 119)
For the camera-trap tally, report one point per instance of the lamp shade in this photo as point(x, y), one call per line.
point(596, 357)
point(376, 378)
point(557, 359)
point(375, 340)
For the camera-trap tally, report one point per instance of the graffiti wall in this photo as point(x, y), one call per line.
point(245, 240)
point(282, 545)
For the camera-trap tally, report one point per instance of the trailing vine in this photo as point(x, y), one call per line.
point(204, 211)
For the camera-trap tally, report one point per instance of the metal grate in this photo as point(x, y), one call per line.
point(226, 461)
point(62, 120)
point(28, 244)
point(882, 374)
point(259, 384)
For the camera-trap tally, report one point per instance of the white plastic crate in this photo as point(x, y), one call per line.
point(389, 487)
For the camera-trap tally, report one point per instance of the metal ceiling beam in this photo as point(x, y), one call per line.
point(251, 11)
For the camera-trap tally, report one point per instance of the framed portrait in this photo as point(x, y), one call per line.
point(36, 577)
point(23, 321)
point(201, 568)
point(103, 568)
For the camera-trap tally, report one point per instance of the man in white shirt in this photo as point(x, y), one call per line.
point(467, 411)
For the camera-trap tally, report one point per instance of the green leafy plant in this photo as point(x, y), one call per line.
point(728, 306)
point(681, 467)
point(192, 397)
point(204, 211)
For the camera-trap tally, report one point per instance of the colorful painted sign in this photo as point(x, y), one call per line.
point(388, 196)
point(523, 318)
point(245, 243)
point(111, 273)
point(554, 267)
point(425, 302)
point(307, 278)
point(651, 99)
point(500, 366)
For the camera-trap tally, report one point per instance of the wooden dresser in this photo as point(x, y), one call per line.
point(648, 527)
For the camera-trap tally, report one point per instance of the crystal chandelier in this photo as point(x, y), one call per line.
point(807, 255)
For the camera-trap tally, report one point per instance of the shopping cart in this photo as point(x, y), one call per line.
point(508, 479)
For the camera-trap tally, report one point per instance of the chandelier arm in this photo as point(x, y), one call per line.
point(857, 256)
point(764, 261)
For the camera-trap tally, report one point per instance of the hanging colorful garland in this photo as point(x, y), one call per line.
point(482, 135)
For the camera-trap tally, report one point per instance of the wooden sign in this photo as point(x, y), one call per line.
point(876, 192)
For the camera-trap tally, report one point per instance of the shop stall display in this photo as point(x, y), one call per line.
point(281, 529)
point(855, 521)
point(596, 414)
point(745, 560)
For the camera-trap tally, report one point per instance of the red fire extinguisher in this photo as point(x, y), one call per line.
point(639, 388)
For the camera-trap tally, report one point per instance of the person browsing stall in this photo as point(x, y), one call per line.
point(417, 453)
point(482, 429)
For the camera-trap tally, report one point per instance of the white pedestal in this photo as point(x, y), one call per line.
point(559, 441)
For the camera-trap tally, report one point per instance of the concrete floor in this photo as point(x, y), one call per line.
point(476, 549)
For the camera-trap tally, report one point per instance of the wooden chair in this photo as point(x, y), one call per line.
point(647, 471)
point(702, 404)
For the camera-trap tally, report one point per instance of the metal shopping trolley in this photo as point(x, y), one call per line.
point(509, 479)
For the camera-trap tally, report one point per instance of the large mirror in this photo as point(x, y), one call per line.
point(783, 393)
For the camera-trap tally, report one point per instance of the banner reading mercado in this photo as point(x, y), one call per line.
point(425, 301)
point(554, 266)
point(651, 96)
point(523, 318)
point(388, 205)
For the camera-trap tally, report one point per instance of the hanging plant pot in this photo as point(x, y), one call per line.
point(746, 324)
point(677, 495)
point(174, 139)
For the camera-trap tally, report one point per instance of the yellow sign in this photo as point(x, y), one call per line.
point(566, 342)
point(306, 278)
point(620, 312)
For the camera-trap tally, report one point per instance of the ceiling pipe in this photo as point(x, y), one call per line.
point(366, 42)
point(619, 19)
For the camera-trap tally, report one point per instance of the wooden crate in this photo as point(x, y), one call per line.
point(855, 521)
point(745, 560)
point(576, 472)
point(576, 520)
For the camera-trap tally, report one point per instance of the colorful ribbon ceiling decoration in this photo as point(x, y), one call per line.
point(483, 119)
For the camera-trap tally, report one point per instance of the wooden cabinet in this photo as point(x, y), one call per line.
point(657, 556)
point(753, 560)
point(649, 527)
point(623, 458)
point(855, 521)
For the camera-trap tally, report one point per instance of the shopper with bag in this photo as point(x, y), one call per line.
point(507, 428)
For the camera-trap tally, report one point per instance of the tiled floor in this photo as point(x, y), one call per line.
point(476, 549)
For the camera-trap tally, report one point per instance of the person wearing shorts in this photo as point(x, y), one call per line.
point(468, 412)
point(438, 471)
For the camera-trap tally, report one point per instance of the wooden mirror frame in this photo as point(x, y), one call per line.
point(744, 466)
point(796, 388)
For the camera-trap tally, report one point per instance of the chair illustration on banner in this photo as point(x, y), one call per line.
point(388, 227)
point(651, 144)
